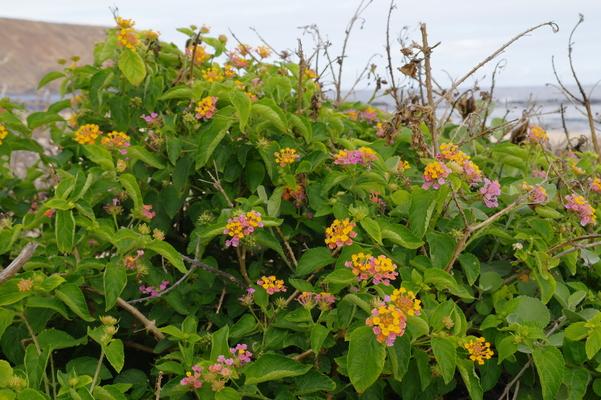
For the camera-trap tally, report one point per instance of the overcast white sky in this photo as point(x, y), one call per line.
point(468, 29)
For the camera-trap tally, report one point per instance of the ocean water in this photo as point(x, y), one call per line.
point(512, 101)
point(508, 101)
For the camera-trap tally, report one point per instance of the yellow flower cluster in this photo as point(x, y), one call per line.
point(536, 134)
point(286, 156)
point(124, 23)
point(380, 269)
point(479, 350)
point(212, 74)
point(3, 133)
point(405, 301)
point(116, 139)
point(127, 38)
point(87, 134)
point(451, 152)
point(25, 285)
point(387, 323)
point(200, 55)
point(206, 108)
point(271, 284)
point(340, 233)
point(263, 51)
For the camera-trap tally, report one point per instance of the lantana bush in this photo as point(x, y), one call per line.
point(208, 225)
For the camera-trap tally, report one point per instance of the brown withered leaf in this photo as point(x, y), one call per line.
point(407, 51)
point(410, 69)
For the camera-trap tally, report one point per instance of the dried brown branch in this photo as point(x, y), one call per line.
point(221, 274)
point(347, 33)
point(393, 88)
point(301, 77)
point(492, 56)
point(16, 265)
point(427, 51)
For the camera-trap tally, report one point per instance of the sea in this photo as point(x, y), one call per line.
point(508, 102)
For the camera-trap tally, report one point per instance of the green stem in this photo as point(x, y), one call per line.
point(34, 338)
point(98, 368)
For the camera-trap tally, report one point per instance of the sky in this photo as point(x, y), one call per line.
point(468, 30)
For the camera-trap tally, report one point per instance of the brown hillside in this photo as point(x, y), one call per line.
point(30, 49)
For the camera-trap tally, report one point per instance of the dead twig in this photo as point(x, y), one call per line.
point(427, 51)
point(16, 265)
point(222, 274)
point(492, 56)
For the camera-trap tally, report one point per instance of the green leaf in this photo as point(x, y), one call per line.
point(242, 105)
point(37, 119)
point(99, 155)
point(312, 382)
point(168, 251)
point(219, 344)
point(471, 266)
point(6, 320)
point(506, 347)
point(528, 311)
point(254, 173)
point(576, 331)
point(270, 367)
point(313, 260)
point(365, 359)
point(132, 66)
point(115, 355)
point(54, 339)
point(576, 380)
point(470, 379)
point(30, 394)
point(64, 229)
point(227, 393)
point(6, 372)
point(550, 367)
point(71, 295)
point(401, 235)
point(593, 343)
point(114, 280)
point(446, 356)
point(423, 203)
point(399, 355)
point(178, 92)
point(148, 158)
point(319, 333)
point(130, 184)
point(49, 77)
point(372, 228)
point(212, 134)
point(265, 113)
point(442, 247)
point(275, 201)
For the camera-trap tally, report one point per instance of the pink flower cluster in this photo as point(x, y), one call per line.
point(435, 175)
point(490, 191)
point(193, 380)
point(240, 226)
point(151, 119)
point(220, 372)
point(538, 195)
point(309, 299)
point(147, 211)
point(363, 156)
point(579, 205)
point(152, 291)
point(241, 353)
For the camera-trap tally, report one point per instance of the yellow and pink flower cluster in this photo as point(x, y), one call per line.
point(241, 226)
point(366, 267)
point(389, 319)
point(340, 233)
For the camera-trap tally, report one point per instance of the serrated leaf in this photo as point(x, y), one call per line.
point(132, 66)
point(550, 367)
point(270, 367)
point(365, 359)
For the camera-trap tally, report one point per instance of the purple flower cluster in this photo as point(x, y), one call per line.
point(490, 191)
point(152, 291)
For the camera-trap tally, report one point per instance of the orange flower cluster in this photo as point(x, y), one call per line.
point(479, 350)
point(387, 322)
point(536, 134)
point(3, 133)
point(366, 267)
point(271, 284)
point(340, 233)
point(116, 140)
point(286, 156)
point(87, 134)
point(212, 74)
point(206, 108)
